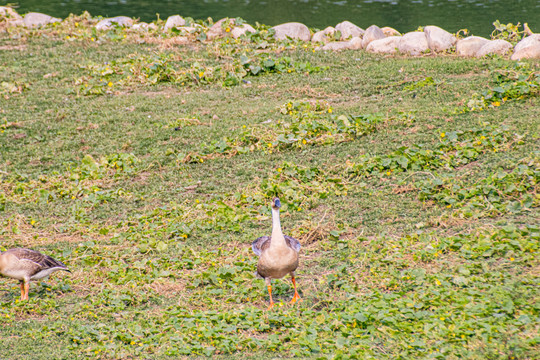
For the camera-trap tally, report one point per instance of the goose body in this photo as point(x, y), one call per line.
point(278, 254)
point(26, 265)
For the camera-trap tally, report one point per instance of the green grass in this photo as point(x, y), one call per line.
point(412, 184)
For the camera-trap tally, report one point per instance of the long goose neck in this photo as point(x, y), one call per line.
point(277, 234)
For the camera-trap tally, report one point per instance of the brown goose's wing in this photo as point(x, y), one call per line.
point(41, 262)
point(260, 244)
point(293, 243)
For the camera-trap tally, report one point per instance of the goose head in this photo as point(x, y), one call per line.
point(276, 204)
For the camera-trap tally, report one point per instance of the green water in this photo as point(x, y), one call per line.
point(404, 15)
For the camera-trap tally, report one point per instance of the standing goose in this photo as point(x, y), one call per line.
point(25, 265)
point(278, 254)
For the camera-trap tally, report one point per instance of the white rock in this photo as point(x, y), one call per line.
point(372, 33)
point(37, 19)
point(500, 47)
point(354, 44)
point(292, 30)
point(439, 39)
point(388, 31)
point(335, 46)
point(108, 23)
point(238, 31)
point(216, 30)
point(528, 48)
point(413, 43)
point(7, 12)
point(11, 16)
point(348, 30)
point(387, 45)
point(530, 52)
point(470, 45)
point(532, 40)
point(174, 21)
point(325, 35)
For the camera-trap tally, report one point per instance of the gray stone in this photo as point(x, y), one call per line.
point(500, 47)
point(7, 12)
point(531, 52)
point(531, 40)
point(37, 19)
point(413, 43)
point(354, 44)
point(528, 48)
point(144, 26)
point(11, 17)
point(109, 23)
point(439, 39)
point(349, 30)
point(470, 45)
point(292, 30)
point(174, 21)
point(217, 30)
point(372, 33)
point(238, 31)
point(324, 36)
point(388, 31)
point(387, 45)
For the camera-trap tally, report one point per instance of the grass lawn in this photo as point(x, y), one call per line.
point(148, 165)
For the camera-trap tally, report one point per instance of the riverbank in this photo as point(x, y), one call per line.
point(146, 160)
point(507, 39)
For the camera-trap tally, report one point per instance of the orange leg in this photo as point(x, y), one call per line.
point(26, 290)
point(22, 290)
point(271, 301)
point(296, 297)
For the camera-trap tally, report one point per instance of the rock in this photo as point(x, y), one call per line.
point(217, 30)
point(354, 44)
point(388, 31)
point(292, 30)
point(144, 26)
point(349, 30)
point(109, 23)
point(11, 17)
point(174, 21)
point(372, 33)
point(37, 19)
point(439, 39)
point(238, 31)
point(470, 45)
point(500, 47)
point(387, 45)
point(531, 52)
point(413, 43)
point(7, 12)
point(527, 48)
point(531, 40)
point(324, 36)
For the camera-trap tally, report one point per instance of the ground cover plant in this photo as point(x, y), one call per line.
point(147, 165)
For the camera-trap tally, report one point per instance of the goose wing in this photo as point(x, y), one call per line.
point(293, 243)
point(37, 259)
point(260, 244)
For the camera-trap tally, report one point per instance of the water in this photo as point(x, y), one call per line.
point(404, 15)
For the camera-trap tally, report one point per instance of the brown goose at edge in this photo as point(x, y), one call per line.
point(26, 265)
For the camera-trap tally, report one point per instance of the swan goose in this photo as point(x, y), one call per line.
point(278, 254)
point(26, 265)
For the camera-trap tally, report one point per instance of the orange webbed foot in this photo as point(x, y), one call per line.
point(295, 298)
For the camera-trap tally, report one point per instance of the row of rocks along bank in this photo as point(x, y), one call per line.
point(384, 40)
